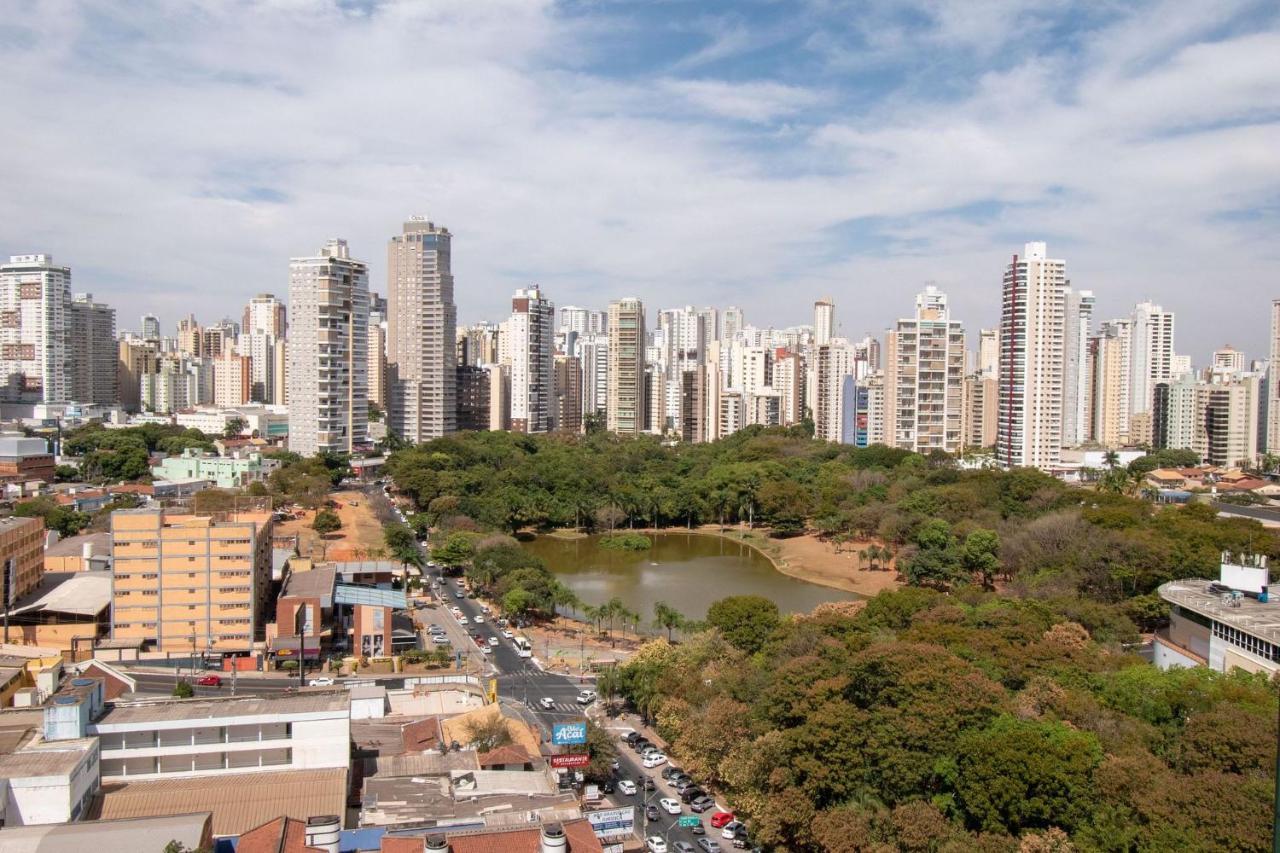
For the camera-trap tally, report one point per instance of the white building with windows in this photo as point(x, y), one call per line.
point(1231, 623)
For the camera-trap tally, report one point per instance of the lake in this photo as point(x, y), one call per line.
point(689, 571)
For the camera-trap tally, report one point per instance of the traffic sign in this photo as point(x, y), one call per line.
point(690, 820)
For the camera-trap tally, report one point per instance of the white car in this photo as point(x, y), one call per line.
point(730, 829)
point(507, 634)
point(586, 697)
point(485, 650)
point(655, 844)
point(671, 806)
point(479, 618)
point(493, 642)
point(655, 759)
point(626, 786)
point(462, 620)
point(440, 639)
point(457, 593)
point(547, 703)
point(323, 681)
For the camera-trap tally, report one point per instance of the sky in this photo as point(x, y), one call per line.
point(759, 153)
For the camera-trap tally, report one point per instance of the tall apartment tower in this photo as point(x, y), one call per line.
point(150, 327)
point(378, 356)
point(1109, 362)
point(625, 408)
point(834, 361)
point(422, 323)
point(531, 328)
point(595, 375)
point(824, 321)
point(924, 375)
point(1075, 369)
point(265, 313)
point(1152, 362)
point(35, 299)
point(1032, 333)
point(1272, 392)
point(988, 352)
point(731, 322)
point(328, 352)
point(93, 352)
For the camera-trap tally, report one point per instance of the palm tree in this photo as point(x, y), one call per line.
point(873, 555)
point(593, 615)
point(666, 616)
point(862, 556)
point(1111, 459)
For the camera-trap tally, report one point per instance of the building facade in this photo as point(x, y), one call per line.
point(625, 407)
point(532, 339)
point(35, 299)
point(924, 374)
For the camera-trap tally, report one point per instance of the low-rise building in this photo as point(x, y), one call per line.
point(225, 472)
point(48, 782)
point(1231, 623)
point(21, 556)
point(192, 831)
point(23, 459)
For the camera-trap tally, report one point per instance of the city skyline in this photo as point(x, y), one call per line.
point(768, 154)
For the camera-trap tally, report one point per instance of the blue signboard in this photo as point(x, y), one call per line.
point(567, 734)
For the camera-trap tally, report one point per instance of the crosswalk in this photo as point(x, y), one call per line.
point(564, 708)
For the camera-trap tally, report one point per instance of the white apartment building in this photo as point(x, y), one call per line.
point(1152, 329)
point(266, 314)
point(1273, 382)
point(328, 352)
point(833, 362)
point(824, 321)
point(1218, 418)
point(924, 375)
point(422, 323)
point(215, 737)
point(1227, 360)
point(174, 386)
point(583, 321)
point(35, 298)
point(1075, 375)
point(732, 322)
point(788, 381)
point(377, 359)
point(1032, 359)
point(625, 409)
point(531, 338)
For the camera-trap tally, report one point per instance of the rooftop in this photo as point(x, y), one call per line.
point(238, 801)
point(73, 546)
point(143, 833)
point(75, 593)
point(578, 833)
point(421, 764)
point(1247, 614)
point(316, 583)
point(46, 758)
point(170, 710)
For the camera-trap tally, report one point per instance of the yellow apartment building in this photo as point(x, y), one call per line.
point(186, 580)
point(21, 556)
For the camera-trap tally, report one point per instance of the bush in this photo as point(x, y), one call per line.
point(627, 542)
point(183, 690)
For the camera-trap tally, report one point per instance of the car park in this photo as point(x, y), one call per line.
point(654, 759)
point(586, 697)
point(670, 806)
point(706, 845)
point(323, 681)
point(702, 804)
point(721, 819)
point(655, 844)
point(626, 786)
point(209, 681)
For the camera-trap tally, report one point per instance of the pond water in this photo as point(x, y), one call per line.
point(689, 571)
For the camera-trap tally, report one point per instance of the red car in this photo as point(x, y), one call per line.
point(209, 681)
point(719, 819)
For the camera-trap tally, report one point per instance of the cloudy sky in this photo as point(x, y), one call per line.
point(747, 152)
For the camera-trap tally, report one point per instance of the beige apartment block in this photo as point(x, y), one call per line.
point(184, 581)
point(21, 556)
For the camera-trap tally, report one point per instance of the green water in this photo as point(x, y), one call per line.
point(689, 571)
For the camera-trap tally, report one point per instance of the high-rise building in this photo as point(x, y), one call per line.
point(499, 396)
point(978, 426)
point(378, 358)
point(1109, 363)
point(473, 398)
point(189, 338)
point(731, 323)
point(531, 335)
point(21, 561)
point(150, 327)
point(92, 349)
point(924, 373)
point(1217, 418)
point(1075, 369)
point(595, 375)
point(184, 580)
point(232, 380)
point(625, 412)
point(710, 323)
point(1227, 360)
point(824, 321)
point(834, 361)
point(1032, 335)
point(265, 313)
point(328, 352)
point(135, 359)
point(684, 345)
point(35, 298)
point(1151, 354)
point(583, 321)
point(788, 381)
point(568, 394)
point(988, 352)
point(421, 332)
point(172, 387)
point(1272, 393)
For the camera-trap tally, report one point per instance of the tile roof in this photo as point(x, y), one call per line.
point(239, 801)
point(510, 754)
point(282, 835)
point(578, 833)
point(403, 845)
point(421, 735)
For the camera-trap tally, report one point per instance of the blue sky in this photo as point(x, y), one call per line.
point(756, 153)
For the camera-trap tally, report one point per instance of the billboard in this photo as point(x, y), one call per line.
point(611, 823)
point(567, 734)
point(570, 760)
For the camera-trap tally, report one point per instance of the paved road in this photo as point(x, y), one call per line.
point(1267, 515)
point(162, 683)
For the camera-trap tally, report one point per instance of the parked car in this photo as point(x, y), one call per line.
point(670, 771)
point(702, 804)
point(479, 618)
point(462, 620)
point(485, 650)
point(680, 784)
point(209, 681)
point(698, 829)
point(730, 829)
point(649, 748)
point(684, 847)
point(671, 806)
point(457, 593)
point(649, 784)
point(626, 786)
point(606, 787)
point(651, 812)
point(586, 697)
point(722, 819)
point(640, 743)
point(654, 759)
point(691, 793)
point(322, 681)
point(706, 845)
point(655, 844)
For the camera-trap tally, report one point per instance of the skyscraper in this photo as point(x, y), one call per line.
point(625, 409)
point(265, 313)
point(1272, 394)
point(93, 352)
point(834, 361)
point(1075, 369)
point(421, 331)
point(824, 321)
point(731, 322)
point(150, 327)
point(1152, 362)
point(568, 394)
point(378, 353)
point(35, 296)
point(531, 331)
point(328, 352)
point(924, 372)
point(1032, 334)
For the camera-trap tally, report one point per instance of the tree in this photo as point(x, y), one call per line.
point(489, 732)
point(400, 543)
point(63, 519)
point(235, 426)
point(667, 617)
point(746, 621)
point(326, 522)
point(455, 551)
point(978, 555)
point(183, 690)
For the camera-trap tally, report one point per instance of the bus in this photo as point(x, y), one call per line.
point(524, 648)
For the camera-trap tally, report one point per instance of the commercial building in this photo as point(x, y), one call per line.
point(328, 352)
point(92, 351)
point(21, 557)
point(421, 332)
point(1032, 360)
point(225, 472)
point(1231, 623)
point(625, 408)
point(924, 371)
point(189, 583)
point(25, 459)
point(35, 299)
point(531, 340)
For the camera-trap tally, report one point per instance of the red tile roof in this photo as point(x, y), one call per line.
point(282, 835)
point(421, 735)
point(578, 833)
point(403, 845)
point(512, 753)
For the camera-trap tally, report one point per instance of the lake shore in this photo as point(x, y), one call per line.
point(806, 558)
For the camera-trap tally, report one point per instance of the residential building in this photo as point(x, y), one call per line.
point(988, 352)
point(224, 472)
point(135, 360)
point(258, 349)
point(1152, 354)
point(421, 332)
point(150, 327)
point(833, 361)
point(175, 385)
point(788, 381)
point(265, 314)
point(25, 459)
point(1075, 370)
point(594, 351)
point(731, 413)
point(21, 557)
point(92, 351)
point(1217, 418)
point(731, 323)
point(924, 372)
point(532, 361)
point(185, 583)
point(35, 298)
point(625, 409)
point(1227, 360)
point(693, 405)
point(1109, 361)
point(499, 396)
point(189, 337)
point(328, 352)
point(1272, 394)
point(824, 321)
point(978, 415)
point(473, 398)
point(1032, 360)
point(377, 360)
point(232, 380)
point(568, 394)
